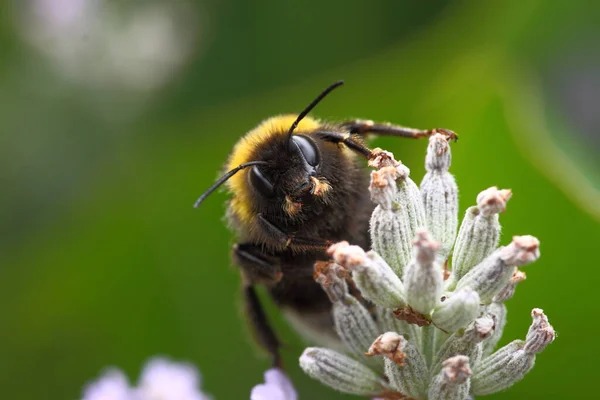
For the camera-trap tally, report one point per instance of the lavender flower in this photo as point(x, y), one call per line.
point(429, 328)
point(161, 379)
point(277, 386)
point(164, 379)
point(113, 385)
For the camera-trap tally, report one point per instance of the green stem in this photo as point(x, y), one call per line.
point(428, 343)
point(439, 337)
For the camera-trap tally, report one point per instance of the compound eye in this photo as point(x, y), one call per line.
point(309, 150)
point(261, 183)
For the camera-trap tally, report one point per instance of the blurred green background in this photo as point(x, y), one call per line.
point(116, 115)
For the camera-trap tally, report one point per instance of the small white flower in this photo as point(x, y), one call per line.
point(277, 386)
point(161, 379)
point(113, 385)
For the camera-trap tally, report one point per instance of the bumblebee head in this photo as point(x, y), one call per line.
point(290, 170)
point(285, 166)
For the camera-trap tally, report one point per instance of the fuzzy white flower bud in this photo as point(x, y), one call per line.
point(383, 158)
point(423, 278)
point(389, 345)
point(410, 375)
point(332, 278)
point(498, 312)
point(522, 251)
point(440, 194)
point(452, 383)
point(354, 325)
point(457, 311)
point(468, 343)
point(352, 321)
point(383, 187)
point(371, 274)
point(502, 369)
point(493, 201)
point(399, 212)
point(510, 364)
point(509, 290)
point(480, 231)
point(493, 274)
point(540, 333)
point(340, 372)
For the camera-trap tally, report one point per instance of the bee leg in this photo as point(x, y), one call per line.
point(260, 325)
point(258, 267)
point(289, 240)
point(362, 127)
point(352, 141)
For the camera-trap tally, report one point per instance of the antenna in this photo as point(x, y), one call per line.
point(224, 179)
point(312, 105)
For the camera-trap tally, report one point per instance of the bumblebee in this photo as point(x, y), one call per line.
point(298, 185)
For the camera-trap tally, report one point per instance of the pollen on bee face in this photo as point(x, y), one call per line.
point(320, 187)
point(291, 207)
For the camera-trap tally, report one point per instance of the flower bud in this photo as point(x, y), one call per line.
point(340, 372)
point(440, 194)
point(468, 343)
point(438, 156)
point(522, 251)
point(332, 279)
point(452, 383)
point(389, 345)
point(493, 201)
point(383, 187)
point(491, 276)
point(354, 325)
point(457, 311)
point(540, 333)
point(510, 364)
point(371, 274)
point(398, 214)
point(410, 378)
point(423, 276)
point(480, 231)
point(498, 312)
point(509, 290)
point(352, 321)
point(502, 369)
point(382, 158)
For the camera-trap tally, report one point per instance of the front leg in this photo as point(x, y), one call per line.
point(351, 140)
point(288, 240)
point(365, 127)
point(258, 267)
